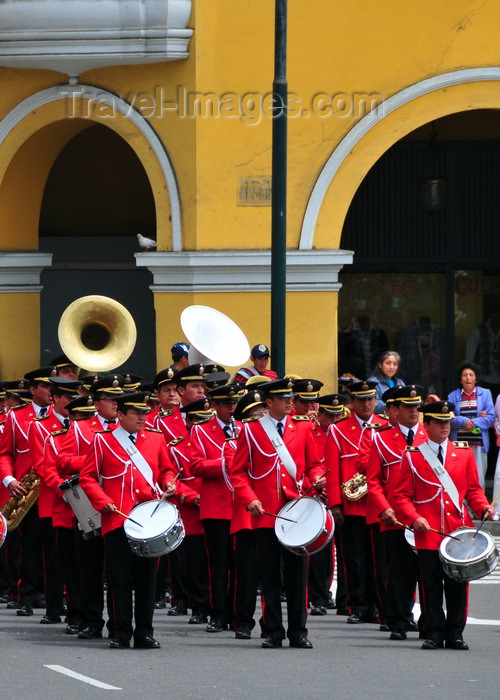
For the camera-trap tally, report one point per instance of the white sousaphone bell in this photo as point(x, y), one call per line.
point(213, 337)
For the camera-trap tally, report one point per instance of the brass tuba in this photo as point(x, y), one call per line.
point(97, 333)
point(15, 509)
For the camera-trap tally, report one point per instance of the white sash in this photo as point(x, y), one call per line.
point(279, 445)
point(447, 482)
point(121, 436)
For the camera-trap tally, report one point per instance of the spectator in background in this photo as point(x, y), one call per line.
point(260, 359)
point(421, 345)
point(385, 373)
point(474, 415)
point(360, 345)
point(180, 352)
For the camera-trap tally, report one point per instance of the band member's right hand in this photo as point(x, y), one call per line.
point(338, 514)
point(255, 508)
point(388, 516)
point(421, 525)
point(16, 489)
point(109, 508)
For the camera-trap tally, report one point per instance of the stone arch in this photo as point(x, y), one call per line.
point(43, 123)
point(374, 134)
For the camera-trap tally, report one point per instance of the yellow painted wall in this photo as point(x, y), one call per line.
point(19, 345)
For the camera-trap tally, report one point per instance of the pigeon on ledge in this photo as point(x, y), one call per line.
point(146, 243)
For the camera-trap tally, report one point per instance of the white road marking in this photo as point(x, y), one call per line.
point(79, 677)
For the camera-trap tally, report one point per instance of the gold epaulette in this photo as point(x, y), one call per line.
point(460, 443)
point(42, 417)
point(165, 414)
point(202, 420)
point(296, 417)
point(411, 448)
point(60, 432)
point(176, 440)
point(252, 419)
point(377, 425)
point(103, 431)
point(16, 408)
point(152, 430)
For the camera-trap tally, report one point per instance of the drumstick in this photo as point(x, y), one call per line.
point(307, 491)
point(164, 495)
point(485, 516)
point(279, 516)
point(127, 517)
point(439, 532)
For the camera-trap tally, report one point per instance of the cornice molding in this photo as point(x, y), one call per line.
point(242, 270)
point(20, 270)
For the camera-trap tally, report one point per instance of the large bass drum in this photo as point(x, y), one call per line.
point(313, 527)
point(156, 534)
point(89, 519)
point(473, 557)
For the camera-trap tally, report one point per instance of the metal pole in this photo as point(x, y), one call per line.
point(278, 211)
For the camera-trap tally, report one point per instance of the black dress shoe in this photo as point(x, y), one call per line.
point(371, 618)
point(271, 643)
point(331, 605)
point(4, 598)
point(301, 642)
point(458, 644)
point(216, 626)
point(398, 636)
point(24, 611)
point(90, 633)
point(354, 619)
point(411, 627)
point(12, 605)
point(40, 603)
point(159, 604)
point(72, 629)
point(176, 610)
point(432, 644)
point(384, 627)
point(243, 632)
point(119, 643)
point(318, 610)
point(198, 618)
point(146, 643)
point(50, 620)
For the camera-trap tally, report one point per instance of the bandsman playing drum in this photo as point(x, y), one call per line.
point(133, 466)
point(436, 478)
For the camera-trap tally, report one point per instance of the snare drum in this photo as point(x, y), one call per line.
point(156, 534)
point(312, 530)
point(472, 557)
point(3, 529)
point(89, 519)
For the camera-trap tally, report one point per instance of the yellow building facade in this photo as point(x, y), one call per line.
point(361, 78)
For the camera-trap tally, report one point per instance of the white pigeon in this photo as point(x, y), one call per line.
point(146, 243)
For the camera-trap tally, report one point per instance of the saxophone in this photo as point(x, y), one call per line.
point(16, 508)
point(355, 488)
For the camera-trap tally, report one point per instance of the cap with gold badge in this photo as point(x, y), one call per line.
point(439, 410)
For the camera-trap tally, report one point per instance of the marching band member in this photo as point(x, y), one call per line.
point(128, 478)
point(436, 478)
point(263, 484)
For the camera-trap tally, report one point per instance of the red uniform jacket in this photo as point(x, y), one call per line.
point(383, 468)
point(15, 458)
point(62, 513)
point(78, 441)
point(108, 475)
point(421, 494)
point(171, 424)
point(38, 432)
point(210, 453)
point(185, 498)
point(348, 446)
point(257, 472)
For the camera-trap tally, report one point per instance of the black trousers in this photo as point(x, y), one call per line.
point(218, 542)
point(52, 570)
point(196, 573)
point(30, 558)
point(320, 576)
point(246, 578)
point(402, 574)
point(70, 564)
point(434, 582)
point(358, 571)
point(129, 573)
point(175, 565)
point(91, 558)
point(378, 565)
point(270, 553)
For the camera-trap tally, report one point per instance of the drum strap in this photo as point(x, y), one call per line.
point(279, 445)
point(446, 481)
point(121, 436)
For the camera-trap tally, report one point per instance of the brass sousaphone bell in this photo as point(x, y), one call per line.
point(97, 333)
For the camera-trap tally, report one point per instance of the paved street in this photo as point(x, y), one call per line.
point(347, 662)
